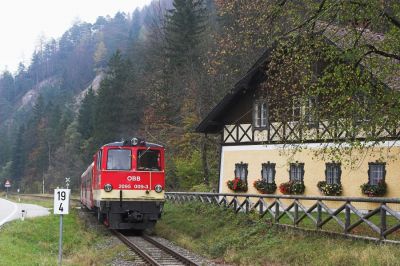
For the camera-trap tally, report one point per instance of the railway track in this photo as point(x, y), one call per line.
point(153, 252)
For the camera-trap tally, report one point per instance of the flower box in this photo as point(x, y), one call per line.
point(264, 187)
point(329, 189)
point(237, 185)
point(374, 190)
point(292, 187)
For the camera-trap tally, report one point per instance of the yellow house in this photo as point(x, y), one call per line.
point(283, 157)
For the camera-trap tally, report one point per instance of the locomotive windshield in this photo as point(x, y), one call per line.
point(119, 159)
point(149, 160)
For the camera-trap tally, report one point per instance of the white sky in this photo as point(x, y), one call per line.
point(22, 22)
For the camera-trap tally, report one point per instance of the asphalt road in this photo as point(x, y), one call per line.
point(10, 211)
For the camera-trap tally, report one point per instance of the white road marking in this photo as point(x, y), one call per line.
point(11, 215)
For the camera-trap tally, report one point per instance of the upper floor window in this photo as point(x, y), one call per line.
point(332, 173)
point(376, 173)
point(304, 110)
point(296, 109)
point(260, 114)
point(241, 171)
point(268, 172)
point(296, 172)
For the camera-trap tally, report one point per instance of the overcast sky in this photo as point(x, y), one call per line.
point(23, 21)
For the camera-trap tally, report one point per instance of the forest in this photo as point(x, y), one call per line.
point(156, 72)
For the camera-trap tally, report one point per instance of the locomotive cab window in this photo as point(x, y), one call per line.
point(149, 160)
point(119, 159)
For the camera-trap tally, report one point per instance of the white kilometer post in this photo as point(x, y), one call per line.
point(61, 207)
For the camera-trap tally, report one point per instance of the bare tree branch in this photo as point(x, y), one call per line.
point(374, 50)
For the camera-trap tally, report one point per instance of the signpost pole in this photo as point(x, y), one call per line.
point(60, 241)
point(7, 193)
point(61, 207)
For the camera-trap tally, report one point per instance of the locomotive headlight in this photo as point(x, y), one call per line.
point(108, 187)
point(158, 188)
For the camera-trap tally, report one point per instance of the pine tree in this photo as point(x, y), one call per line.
point(18, 156)
point(86, 115)
point(110, 103)
point(184, 27)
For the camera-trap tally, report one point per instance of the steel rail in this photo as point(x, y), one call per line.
point(147, 257)
point(135, 248)
point(170, 251)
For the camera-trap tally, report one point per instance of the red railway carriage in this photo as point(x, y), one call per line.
point(125, 184)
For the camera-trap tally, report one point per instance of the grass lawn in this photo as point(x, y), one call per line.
point(35, 241)
point(244, 239)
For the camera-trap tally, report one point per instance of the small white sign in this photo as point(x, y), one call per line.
point(7, 184)
point(61, 201)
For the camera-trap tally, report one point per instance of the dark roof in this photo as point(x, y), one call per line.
point(127, 144)
point(211, 123)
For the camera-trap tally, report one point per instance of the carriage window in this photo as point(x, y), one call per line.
point(99, 160)
point(119, 159)
point(149, 160)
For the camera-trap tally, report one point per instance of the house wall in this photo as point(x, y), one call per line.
point(314, 167)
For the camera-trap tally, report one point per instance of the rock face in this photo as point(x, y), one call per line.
point(95, 85)
point(29, 99)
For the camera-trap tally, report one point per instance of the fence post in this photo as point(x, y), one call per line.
point(383, 221)
point(296, 213)
point(261, 208)
point(319, 215)
point(347, 218)
point(276, 212)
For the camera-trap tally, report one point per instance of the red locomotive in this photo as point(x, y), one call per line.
point(125, 184)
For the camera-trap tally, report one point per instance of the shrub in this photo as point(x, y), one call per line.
point(264, 187)
point(329, 189)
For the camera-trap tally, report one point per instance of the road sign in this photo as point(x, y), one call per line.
point(61, 201)
point(7, 184)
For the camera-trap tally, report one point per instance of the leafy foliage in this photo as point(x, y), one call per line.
point(175, 60)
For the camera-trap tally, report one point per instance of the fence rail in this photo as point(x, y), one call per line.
point(381, 223)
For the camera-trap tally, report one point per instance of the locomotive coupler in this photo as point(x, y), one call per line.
point(135, 216)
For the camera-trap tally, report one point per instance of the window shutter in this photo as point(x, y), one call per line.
point(326, 172)
point(369, 173)
point(245, 171)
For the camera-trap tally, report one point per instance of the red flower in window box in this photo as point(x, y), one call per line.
point(237, 185)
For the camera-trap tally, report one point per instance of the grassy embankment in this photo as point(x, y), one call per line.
point(35, 241)
point(247, 240)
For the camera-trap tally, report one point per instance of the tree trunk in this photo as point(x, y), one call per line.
point(206, 170)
